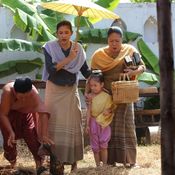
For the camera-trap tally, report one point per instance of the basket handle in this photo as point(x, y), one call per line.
point(124, 77)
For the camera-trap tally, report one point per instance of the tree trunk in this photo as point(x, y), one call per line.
point(166, 87)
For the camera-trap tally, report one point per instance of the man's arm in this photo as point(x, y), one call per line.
point(43, 128)
point(4, 110)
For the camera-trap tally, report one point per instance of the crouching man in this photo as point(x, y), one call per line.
point(23, 116)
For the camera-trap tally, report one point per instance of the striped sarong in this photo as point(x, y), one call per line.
point(122, 146)
point(65, 123)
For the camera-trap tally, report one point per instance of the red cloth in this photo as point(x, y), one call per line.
point(24, 127)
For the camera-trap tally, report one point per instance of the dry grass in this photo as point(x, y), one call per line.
point(148, 158)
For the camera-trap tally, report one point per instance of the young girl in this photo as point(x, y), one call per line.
point(99, 116)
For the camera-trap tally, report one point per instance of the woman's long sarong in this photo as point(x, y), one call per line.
point(122, 146)
point(65, 123)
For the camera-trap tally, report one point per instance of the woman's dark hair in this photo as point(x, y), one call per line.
point(23, 85)
point(97, 75)
point(115, 29)
point(64, 23)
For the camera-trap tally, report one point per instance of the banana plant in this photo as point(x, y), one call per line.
point(26, 18)
point(40, 26)
point(19, 66)
point(19, 45)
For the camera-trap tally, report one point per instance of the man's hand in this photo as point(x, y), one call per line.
point(11, 140)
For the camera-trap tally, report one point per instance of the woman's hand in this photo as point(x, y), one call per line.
point(129, 71)
point(72, 55)
point(73, 52)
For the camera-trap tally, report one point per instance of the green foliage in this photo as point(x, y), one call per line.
point(108, 4)
point(28, 20)
point(20, 4)
point(152, 103)
point(19, 66)
point(84, 22)
point(130, 36)
point(148, 78)
point(51, 18)
point(19, 45)
point(100, 36)
point(140, 1)
point(148, 56)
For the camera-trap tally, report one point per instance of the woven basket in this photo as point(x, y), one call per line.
point(125, 91)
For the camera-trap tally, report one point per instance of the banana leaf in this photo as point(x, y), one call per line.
point(19, 45)
point(84, 22)
point(27, 19)
point(30, 24)
point(100, 36)
point(148, 57)
point(20, 4)
point(148, 78)
point(51, 22)
point(19, 66)
point(130, 36)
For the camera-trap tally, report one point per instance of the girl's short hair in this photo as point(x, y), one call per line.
point(23, 85)
point(64, 23)
point(115, 29)
point(97, 75)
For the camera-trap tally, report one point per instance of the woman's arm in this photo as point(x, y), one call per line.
point(137, 69)
point(140, 69)
point(72, 55)
point(51, 67)
point(85, 70)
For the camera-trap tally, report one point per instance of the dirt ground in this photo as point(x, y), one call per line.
point(148, 157)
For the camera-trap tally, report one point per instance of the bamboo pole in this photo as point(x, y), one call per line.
point(166, 87)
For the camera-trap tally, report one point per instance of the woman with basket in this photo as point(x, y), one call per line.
point(114, 59)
